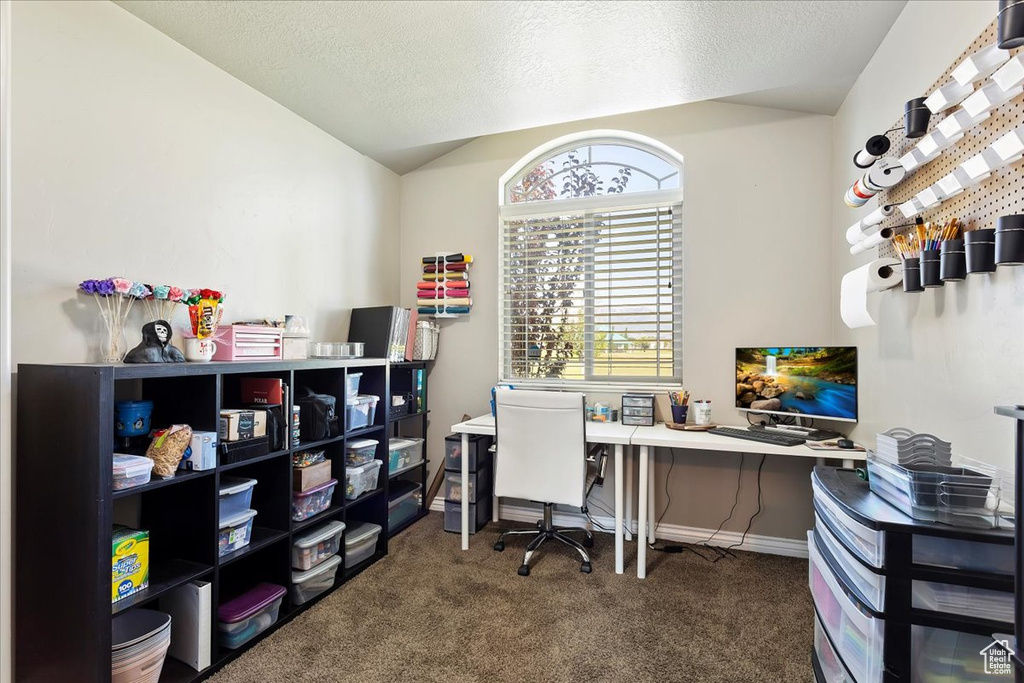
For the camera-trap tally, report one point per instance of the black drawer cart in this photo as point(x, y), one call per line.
point(65, 505)
point(481, 476)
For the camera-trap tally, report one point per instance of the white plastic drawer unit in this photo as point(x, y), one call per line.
point(857, 635)
point(832, 668)
point(866, 543)
point(868, 584)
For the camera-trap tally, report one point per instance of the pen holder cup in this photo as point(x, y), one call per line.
point(980, 246)
point(930, 268)
point(1011, 24)
point(1010, 240)
point(915, 118)
point(679, 414)
point(952, 261)
point(912, 275)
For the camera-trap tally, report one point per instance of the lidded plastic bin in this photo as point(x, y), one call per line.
point(235, 495)
point(360, 411)
point(405, 505)
point(309, 584)
point(352, 384)
point(404, 452)
point(305, 504)
point(251, 613)
point(360, 542)
point(359, 480)
point(235, 532)
point(131, 471)
point(317, 545)
point(360, 451)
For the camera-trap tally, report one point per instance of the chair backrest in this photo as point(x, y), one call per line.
point(541, 446)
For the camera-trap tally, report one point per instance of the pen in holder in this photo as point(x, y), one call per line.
point(952, 260)
point(912, 275)
point(930, 268)
point(980, 246)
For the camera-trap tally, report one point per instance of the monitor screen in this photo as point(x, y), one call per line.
point(807, 381)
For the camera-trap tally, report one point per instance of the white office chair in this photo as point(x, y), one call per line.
point(542, 457)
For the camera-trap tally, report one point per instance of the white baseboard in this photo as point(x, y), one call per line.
point(770, 545)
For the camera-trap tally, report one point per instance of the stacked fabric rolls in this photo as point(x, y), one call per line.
point(444, 289)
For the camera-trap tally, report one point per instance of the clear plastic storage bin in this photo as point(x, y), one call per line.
point(403, 453)
point(360, 411)
point(235, 495)
point(235, 532)
point(479, 515)
point(131, 471)
point(404, 507)
point(865, 542)
point(360, 542)
point(963, 600)
point(250, 614)
point(953, 553)
point(478, 481)
point(360, 451)
point(359, 480)
point(352, 384)
point(479, 451)
point(317, 545)
point(869, 584)
point(831, 667)
point(312, 502)
point(309, 584)
point(858, 636)
point(940, 655)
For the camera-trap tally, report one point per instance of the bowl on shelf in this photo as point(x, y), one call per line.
point(336, 350)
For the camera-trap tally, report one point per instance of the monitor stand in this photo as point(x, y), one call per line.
point(809, 433)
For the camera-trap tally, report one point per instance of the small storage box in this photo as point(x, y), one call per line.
point(360, 542)
point(309, 584)
point(638, 410)
point(311, 476)
point(479, 514)
point(235, 532)
point(479, 451)
point(305, 504)
point(360, 451)
point(963, 600)
point(359, 480)
point(404, 452)
point(250, 614)
point(352, 384)
point(360, 411)
point(831, 666)
point(235, 496)
point(404, 507)
point(479, 482)
point(869, 585)
point(131, 471)
point(865, 542)
point(317, 545)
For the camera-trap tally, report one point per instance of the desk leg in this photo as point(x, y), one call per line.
point(494, 508)
point(641, 541)
point(630, 465)
point(465, 488)
point(651, 509)
point(618, 508)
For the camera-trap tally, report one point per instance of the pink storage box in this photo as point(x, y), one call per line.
point(250, 342)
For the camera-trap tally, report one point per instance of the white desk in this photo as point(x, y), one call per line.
point(660, 435)
point(612, 433)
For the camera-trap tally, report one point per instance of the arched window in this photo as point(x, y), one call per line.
point(591, 263)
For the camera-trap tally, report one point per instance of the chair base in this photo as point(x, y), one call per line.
point(546, 530)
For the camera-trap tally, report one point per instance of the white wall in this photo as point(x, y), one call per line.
point(755, 219)
point(134, 156)
point(940, 360)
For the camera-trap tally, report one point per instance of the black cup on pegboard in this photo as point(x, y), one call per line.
point(912, 275)
point(952, 261)
point(1010, 240)
point(980, 246)
point(915, 118)
point(930, 268)
point(1011, 24)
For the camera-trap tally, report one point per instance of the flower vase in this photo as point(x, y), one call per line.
point(115, 342)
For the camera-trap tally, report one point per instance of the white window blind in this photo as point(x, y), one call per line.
point(593, 296)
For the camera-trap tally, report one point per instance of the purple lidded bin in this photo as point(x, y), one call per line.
point(249, 603)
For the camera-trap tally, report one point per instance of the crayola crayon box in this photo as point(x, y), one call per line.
point(130, 562)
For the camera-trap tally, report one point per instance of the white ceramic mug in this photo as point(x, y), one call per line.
point(199, 350)
point(702, 412)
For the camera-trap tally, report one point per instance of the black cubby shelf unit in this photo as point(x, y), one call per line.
point(408, 379)
point(66, 507)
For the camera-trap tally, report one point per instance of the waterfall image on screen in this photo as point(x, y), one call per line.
point(812, 381)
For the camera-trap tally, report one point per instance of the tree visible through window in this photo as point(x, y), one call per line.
point(591, 275)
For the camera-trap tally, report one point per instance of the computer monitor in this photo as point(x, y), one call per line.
point(801, 381)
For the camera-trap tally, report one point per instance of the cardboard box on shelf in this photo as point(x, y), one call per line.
point(306, 478)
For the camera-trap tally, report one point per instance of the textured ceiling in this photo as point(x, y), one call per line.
point(405, 82)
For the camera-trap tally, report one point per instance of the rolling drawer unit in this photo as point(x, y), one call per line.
point(898, 600)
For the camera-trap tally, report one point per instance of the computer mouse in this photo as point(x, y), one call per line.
point(845, 443)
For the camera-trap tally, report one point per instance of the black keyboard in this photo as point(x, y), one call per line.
point(774, 438)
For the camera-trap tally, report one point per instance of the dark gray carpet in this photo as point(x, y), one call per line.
point(430, 612)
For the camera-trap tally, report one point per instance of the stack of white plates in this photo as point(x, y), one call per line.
point(140, 639)
point(901, 446)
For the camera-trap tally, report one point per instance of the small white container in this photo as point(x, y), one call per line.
point(360, 542)
point(912, 160)
point(131, 471)
point(235, 495)
point(988, 97)
point(1010, 147)
point(911, 208)
point(980, 65)
point(360, 451)
point(933, 144)
point(318, 545)
point(309, 584)
point(948, 95)
point(235, 532)
point(955, 125)
point(352, 384)
point(954, 183)
point(980, 166)
point(359, 480)
point(1010, 75)
point(928, 197)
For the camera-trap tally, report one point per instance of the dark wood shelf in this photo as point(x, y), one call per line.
point(321, 517)
point(261, 538)
point(178, 672)
point(363, 430)
point(163, 577)
point(409, 416)
point(311, 445)
point(251, 461)
point(365, 497)
point(156, 483)
point(408, 523)
point(408, 468)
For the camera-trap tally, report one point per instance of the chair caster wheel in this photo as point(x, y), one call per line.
point(585, 568)
point(588, 542)
point(524, 570)
point(499, 546)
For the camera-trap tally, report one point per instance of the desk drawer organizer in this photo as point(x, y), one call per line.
point(249, 342)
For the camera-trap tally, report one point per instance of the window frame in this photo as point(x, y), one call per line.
point(587, 206)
